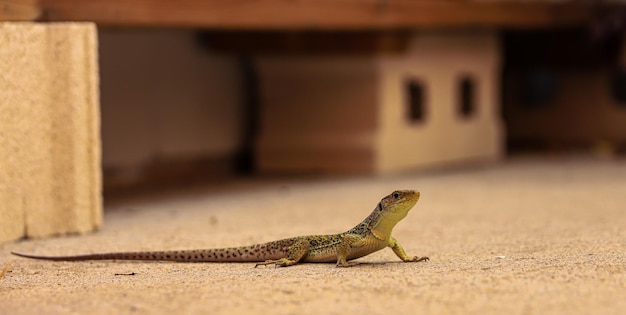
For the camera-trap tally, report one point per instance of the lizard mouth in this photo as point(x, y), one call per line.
point(408, 196)
point(403, 200)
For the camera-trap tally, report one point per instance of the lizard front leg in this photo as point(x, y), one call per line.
point(295, 253)
point(399, 251)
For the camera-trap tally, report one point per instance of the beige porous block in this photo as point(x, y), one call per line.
point(50, 180)
point(433, 104)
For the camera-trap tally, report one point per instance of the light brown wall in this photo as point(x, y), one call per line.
point(165, 98)
point(318, 114)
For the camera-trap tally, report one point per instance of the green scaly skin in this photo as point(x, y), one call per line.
point(371, 235)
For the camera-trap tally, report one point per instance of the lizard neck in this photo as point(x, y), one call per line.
point(389, 211)
point(382, 229)
point(378, 224)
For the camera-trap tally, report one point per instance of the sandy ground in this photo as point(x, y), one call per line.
point(523, 237)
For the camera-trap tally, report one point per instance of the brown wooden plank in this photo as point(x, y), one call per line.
point(309, 14)
point(19, 10)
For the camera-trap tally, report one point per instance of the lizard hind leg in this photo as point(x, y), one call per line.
point(295, 253)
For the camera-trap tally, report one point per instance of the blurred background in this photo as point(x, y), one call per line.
point(204, 104)
point(307, 112)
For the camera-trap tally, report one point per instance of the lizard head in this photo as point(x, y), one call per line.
point(399, 202)
point(390, 211)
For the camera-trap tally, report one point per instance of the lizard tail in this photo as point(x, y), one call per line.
point(234, 254)
point(107, 256)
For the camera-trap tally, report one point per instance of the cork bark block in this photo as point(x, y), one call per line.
point(49, 130)
point(356, 113)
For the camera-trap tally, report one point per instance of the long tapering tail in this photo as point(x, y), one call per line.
point(253, 253)
point(180, 256)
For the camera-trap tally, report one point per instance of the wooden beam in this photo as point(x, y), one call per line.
point(19, 10)
point(306, 14)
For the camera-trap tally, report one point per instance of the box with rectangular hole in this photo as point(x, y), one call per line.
point(435, 103)
point(49, 130)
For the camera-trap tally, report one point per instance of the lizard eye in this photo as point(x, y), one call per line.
point(396, 195)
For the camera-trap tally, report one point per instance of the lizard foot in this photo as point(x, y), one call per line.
point(347, 264)
point(416, 259)
point(283, 262)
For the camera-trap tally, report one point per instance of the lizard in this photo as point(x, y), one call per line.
point(371, 235)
